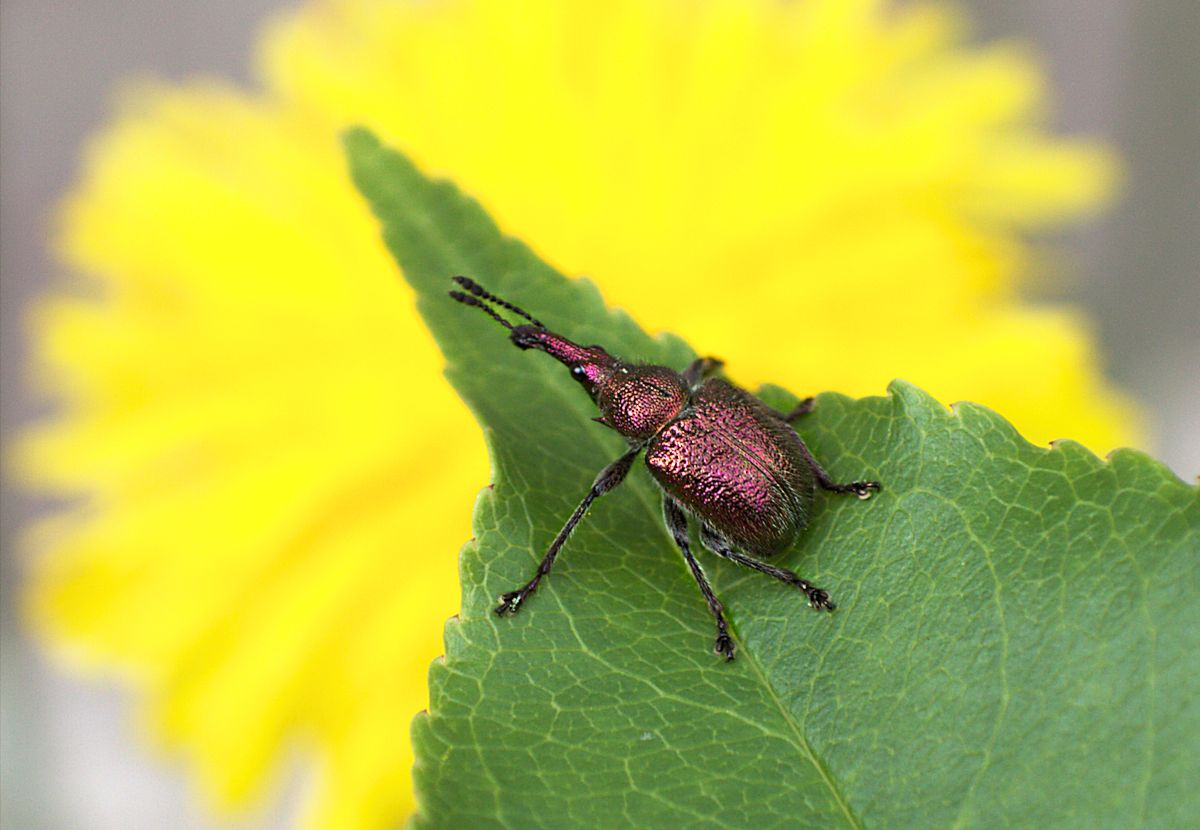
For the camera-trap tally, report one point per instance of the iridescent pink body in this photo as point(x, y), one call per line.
point(722, 453)
point(737, 465)
point(716, 451)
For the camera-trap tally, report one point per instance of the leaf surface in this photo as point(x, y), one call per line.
point(1016, 641)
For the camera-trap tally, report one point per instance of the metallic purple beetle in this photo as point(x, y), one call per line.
point(716, 451)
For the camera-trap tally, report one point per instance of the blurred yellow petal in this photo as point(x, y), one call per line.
point(249, 405)
point(272, 477)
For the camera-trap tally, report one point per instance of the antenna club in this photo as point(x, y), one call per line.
point(467, 299)
point(469, 284)
point(485, 296)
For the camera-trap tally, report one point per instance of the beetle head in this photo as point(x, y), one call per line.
point(591, 366)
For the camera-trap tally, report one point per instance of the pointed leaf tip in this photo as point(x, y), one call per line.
point(1016, 633)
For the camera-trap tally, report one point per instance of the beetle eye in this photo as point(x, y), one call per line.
point(578, 371)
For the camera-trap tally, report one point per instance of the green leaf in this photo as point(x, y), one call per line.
point(1016, 641)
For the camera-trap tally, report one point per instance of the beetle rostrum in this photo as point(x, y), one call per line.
point(717, 453)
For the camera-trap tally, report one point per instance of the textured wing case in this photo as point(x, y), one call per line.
point(736, 465)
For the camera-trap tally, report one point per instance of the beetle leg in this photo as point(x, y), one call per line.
point(701, 368)
point(609, 477)
point(677, 523)
point(862, 489)
point(803, 408)
point(712, 540)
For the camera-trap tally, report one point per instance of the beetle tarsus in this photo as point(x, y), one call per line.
point(819, 599)
point(510, 603)
point(863, 489)
point(724, 646)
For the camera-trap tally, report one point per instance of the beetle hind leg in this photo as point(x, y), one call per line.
point(714, 541)
point(701, 368)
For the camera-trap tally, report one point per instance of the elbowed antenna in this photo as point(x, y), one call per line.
point(587, 363)
point(479, 297)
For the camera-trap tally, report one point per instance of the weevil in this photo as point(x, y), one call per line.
point(716, 452)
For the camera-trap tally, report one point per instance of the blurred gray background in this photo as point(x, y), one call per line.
point(1124, 70)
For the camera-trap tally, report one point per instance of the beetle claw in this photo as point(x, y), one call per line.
point(510, 603)
point(820, 600)
point(724, 646)
point(863, 489)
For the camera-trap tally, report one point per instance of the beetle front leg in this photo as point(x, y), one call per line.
point(701, 368)
point(817, 598)
point(609, 477)
point(677, 523)
point(801, 409)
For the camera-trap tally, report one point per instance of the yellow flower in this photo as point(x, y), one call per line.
point(275, 478)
